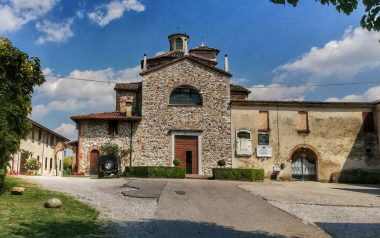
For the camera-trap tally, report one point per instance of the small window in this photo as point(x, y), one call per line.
point(243, 143)
point(263, 139)
point(46, 163)
point(368, 122)
point(33, 134)
point(185, 95)
point(51, 163)
point(52, 140)
point(47, 139)
point(179, 44)
point(263, 120)
point(113, 127)
point(303, 121)
point(39, 135)
point(60, 165)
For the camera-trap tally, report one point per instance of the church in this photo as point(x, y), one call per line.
point(186, 108)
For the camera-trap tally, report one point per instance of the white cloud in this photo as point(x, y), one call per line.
point(371, 94)
point(104, 14)
point(357, 51)
point(68, 130)
point(77, 96)
point(16, 13)
point(55, 32)
point(276, 91)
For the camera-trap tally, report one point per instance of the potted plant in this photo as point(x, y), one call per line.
point(176, 162)
point(222, 163)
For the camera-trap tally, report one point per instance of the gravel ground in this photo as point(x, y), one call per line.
point(342, 210)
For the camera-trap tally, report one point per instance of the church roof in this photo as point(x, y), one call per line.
point(204, 48)
point(197, 59)
point(120, 116)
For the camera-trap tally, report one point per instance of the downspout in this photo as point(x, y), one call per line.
point(131, 145)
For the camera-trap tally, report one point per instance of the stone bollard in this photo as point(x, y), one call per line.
point(53, 203)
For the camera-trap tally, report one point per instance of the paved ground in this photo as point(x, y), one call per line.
point(341, 210)
point(181, 208)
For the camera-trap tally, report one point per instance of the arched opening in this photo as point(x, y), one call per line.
point(304, 164)
point(179, 44)
point(94, 156)
point(185, 95)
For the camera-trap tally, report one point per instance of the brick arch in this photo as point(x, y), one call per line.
point(304, 146)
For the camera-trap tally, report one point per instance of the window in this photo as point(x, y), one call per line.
point(52, 140)
point(47, 139)
point(179, 44)
point(113, 127)
point(45, 163)
point(303, 121)
point(60, 165)
point(39, 135)
point(368, 122)
point(263, 139)
point(33, 134)
point(185, 95)
point(243, 143)
point(51, 163)
point(263, 121)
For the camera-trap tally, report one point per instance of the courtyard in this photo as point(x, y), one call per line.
point(207, 208)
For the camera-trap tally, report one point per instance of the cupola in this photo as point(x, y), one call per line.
point(179, 42)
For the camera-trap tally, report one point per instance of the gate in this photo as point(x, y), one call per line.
point(303, 169)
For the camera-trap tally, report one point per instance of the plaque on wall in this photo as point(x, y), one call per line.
point(263, 151)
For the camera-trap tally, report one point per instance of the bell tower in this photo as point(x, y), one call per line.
point(179, 42)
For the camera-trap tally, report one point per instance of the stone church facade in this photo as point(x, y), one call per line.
point(186, 108)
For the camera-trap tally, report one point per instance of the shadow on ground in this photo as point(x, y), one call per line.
point(185, 229)
point(357, 230)
point(373, 191)
point(61, 229)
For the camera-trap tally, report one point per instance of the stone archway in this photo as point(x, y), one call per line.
point(304, 163)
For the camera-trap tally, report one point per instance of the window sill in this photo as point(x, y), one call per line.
point(303, 131)
point(184, 105)
point(262, 130)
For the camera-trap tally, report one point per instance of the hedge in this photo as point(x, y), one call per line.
point(155, 172)
point(238, 174)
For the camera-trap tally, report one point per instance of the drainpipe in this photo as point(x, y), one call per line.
point(131, 145)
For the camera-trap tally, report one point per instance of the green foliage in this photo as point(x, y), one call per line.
point(25, 216)
point(222, 163)
point(109, 148)
point(155, 172)
point(369, 21)
point(176, 162)
point(19, 74)
point(67, 162)
point(238, 174)
point(32, 164)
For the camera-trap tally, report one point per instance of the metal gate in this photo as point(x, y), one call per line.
point(303, 169)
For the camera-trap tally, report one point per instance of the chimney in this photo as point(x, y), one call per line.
point(145, 66)
point(226, 67)
point(129, 106)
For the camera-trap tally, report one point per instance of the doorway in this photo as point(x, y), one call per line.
point(304, 166)
point(186, 151)
point(94, 156)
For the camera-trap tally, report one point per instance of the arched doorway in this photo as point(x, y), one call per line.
point(304, 164)
point(94, 155)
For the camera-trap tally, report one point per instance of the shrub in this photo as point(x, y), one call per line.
point(238, 174)
point(155, 172)
point(222, 163)
point(176, 162)
point(32, 165)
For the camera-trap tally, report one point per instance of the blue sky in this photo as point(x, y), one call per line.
point(268, 45)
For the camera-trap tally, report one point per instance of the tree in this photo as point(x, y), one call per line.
point(18, 75)
point(370, 20)
point(110, 148)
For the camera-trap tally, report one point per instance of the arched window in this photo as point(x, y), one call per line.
point(179, 44)
point(185, 95)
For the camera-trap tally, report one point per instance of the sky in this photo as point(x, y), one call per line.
point(268, 46)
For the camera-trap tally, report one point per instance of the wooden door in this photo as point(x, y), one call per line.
point(186, 151)
point(94, 156)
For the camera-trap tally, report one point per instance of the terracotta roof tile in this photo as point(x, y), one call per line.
point(105, 116)
point(127, 86)
point(238, 88)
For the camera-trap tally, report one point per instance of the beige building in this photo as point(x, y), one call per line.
point(41, 144)
point(304, 140)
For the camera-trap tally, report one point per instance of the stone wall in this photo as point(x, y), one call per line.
point(336, 136)
point(152, 143)
point(95, 133)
